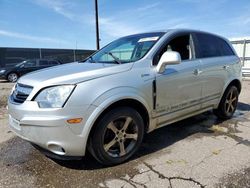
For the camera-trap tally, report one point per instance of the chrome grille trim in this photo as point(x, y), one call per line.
point(20, 93)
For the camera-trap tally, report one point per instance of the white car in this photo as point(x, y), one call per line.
point(130, 87)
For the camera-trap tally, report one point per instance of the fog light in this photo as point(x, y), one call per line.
point(75, 120)
point(57, 149)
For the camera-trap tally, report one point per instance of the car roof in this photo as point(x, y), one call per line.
point(180, 30)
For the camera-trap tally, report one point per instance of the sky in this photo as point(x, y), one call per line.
point(70, 24)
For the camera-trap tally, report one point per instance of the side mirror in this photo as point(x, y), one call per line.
point(168, 58)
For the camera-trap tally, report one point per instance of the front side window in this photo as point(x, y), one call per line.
point(180, 44)
point(31, 63)
point(127, 49)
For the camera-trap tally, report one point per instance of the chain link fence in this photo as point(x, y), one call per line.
point(12, 56)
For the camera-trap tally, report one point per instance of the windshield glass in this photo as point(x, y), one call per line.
point(127, 49)
point(19, 64)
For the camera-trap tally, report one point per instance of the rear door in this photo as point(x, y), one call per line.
point(43, 63)
point(179, 87)
point(53, 63)
point(216, 58)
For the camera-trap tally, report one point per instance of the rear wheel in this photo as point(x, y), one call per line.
point(12, 77)
point(117, 136)
point(228, 103)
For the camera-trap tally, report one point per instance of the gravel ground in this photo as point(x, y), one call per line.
point(197, 152)
point(5, 88)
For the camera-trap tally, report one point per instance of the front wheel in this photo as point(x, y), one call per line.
point(117, 136)
point(12, 77)
point(228, 103)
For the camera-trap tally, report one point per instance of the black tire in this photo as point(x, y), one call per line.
point(120, 126)
point(228, 103)
point(12, 77)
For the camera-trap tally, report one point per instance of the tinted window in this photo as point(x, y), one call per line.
point(211, 46)
point(43, 63)
point(53, 63)
point(31, 63)
point(225, 48)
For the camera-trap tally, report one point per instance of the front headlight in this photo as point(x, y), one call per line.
point(2, 71)
point(54, 97)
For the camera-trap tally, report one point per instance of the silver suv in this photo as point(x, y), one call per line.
point(136, 84)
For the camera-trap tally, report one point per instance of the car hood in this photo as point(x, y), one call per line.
point(72, 73)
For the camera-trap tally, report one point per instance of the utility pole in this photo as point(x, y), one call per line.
point(97, 26)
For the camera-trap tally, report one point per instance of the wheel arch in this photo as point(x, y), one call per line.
point(236, 83)
point(128, 102)
point(125, 102)
point(7, 75)
point(12, 72)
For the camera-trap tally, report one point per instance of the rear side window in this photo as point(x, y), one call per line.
point(212, 46)
point(225, 48)
point(43, 63)
point(53, 63)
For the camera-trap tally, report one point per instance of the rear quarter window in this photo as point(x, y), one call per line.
point(212, 46)
point(43, 63)
point(53, 63)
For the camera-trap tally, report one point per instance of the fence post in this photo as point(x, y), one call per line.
point(244, 53)
point(40, 53)
point(74, 55)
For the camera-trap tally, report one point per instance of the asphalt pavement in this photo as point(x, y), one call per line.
point(197, 152)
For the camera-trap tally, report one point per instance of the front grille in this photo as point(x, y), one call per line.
point(21, 93)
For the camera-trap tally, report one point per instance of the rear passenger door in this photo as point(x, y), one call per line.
point(216, 58)
point(53, 63)
point(43, 64)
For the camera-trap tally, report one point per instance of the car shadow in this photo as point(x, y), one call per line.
point(3, 81)
point(243, 106)
point(156, 140)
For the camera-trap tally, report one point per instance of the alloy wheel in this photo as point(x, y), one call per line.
point(12, 77)
point(231, 102)
point(120, 137)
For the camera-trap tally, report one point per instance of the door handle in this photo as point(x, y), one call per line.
point(197, 72)
point(225, 67)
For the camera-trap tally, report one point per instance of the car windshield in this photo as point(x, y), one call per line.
point(19, 64)
point(127, 49)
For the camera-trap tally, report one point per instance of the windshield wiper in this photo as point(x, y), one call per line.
point(91, 59)
point(86, 59)
point(117, 60)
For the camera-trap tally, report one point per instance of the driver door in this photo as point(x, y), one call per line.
point(179, 87)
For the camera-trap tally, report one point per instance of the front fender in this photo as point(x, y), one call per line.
point(108, 98)
point(116, 94)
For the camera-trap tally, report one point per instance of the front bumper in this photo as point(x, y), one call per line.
point(48, 128)
point(2, 75)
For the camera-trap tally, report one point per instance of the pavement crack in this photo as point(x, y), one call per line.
point(133, 183)
point(128, 181)
point(162, 176)
point(187, 179)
